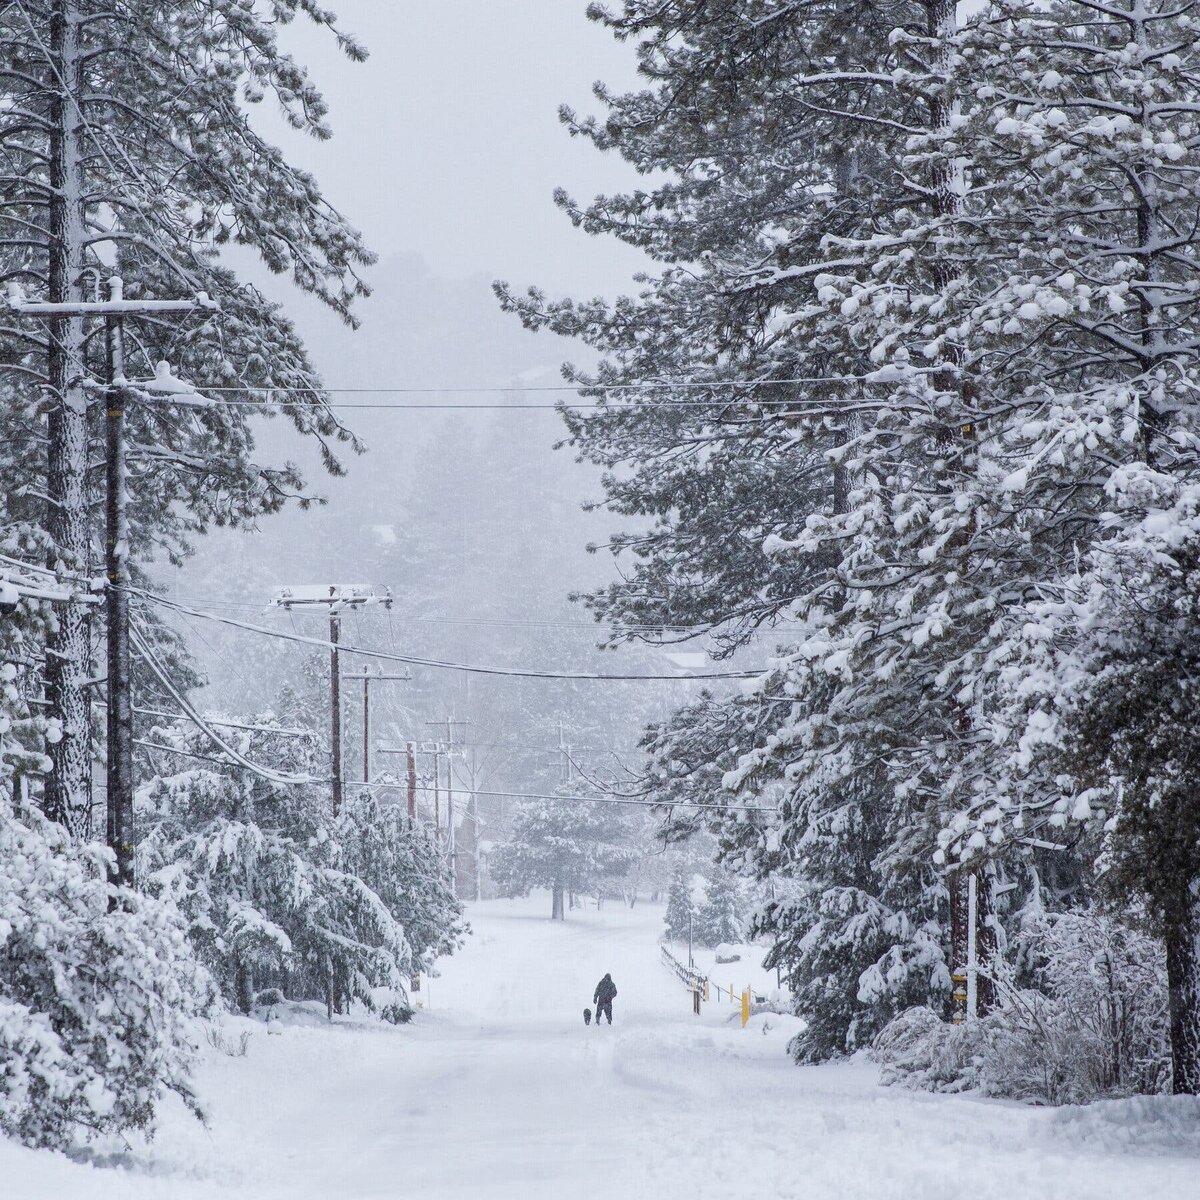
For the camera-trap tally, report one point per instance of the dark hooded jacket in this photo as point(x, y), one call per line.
point(606, 991)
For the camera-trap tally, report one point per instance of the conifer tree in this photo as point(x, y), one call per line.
point(681, 905)
point(127, 142)
point(809, 444)
point(257, 869)
point(403, 864)
point(569, 847)
point(720, 918)
point(99, 990)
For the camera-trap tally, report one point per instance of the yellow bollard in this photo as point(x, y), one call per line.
point(745, 1007)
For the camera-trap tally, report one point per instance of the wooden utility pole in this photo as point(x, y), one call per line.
point(335, 705)
point(451, 849)
point(367, 678)
point(564, 752)
point(119, 799)
point(437, 783)
point(410, 754)
point(116, 568)
point(333, 598)
point(410, 750)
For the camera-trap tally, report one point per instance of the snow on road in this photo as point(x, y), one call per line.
point(497, 1090)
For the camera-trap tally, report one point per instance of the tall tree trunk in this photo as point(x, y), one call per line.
point(987, 947)
point(68, 649)
point(1183, 991)
point(556, 901)
point(243, 986)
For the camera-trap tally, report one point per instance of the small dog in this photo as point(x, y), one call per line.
point(587, 1016)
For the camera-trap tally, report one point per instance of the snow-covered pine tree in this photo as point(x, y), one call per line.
point(130, 144)
point(99, 991)
point(703, 444)
point(787, 171)
point(256, 868)
point(568, 846)
point(404, 865)
point(721, 917)
point(1085, 119)
point(680, 916)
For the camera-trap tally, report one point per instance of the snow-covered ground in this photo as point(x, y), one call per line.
point(498, 1090)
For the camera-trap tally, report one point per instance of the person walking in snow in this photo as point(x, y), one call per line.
point(606, 993)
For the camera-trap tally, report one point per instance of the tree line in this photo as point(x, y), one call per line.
point(128, 147)
point(912, 385)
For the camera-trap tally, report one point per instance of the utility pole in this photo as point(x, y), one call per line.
point(118, 389)
point(333, 599)
point(367, 678)
point(451, 850)
point(410, 755)
point(410, 750)
point(565, 754)
point(476, 863)
point(335, 707)
point(116, 568)
point(437, 783)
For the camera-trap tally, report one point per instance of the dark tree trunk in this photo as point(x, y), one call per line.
point(556, 901)
point(1183, 984)
point(243, 986)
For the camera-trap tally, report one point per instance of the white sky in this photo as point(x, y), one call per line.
point(447, 141)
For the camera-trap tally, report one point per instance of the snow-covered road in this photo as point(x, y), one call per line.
point(498, 1090)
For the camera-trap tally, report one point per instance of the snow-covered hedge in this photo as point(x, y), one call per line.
point(98, 1004)
point(278, 893)
point(1099, 1027)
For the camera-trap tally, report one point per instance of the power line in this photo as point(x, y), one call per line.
point(623, 800)
point(151, 660)
point(729, 389)
point(437, 664)
point(521, 389)
point(170, 716)
point(506, 622)
point(566, 799)
point(640, 406)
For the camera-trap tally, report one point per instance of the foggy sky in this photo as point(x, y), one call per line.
point(447, 141)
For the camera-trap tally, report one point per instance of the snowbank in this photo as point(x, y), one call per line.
point(1146, 1124)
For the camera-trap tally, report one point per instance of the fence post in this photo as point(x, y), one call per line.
point(745, 1008)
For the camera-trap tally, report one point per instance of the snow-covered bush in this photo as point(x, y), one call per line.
point(720, 917)
point(1098, 1029)
point(680, 916)
point(401, 861)
point(256, 868)
point(98, 1003)
point(921, 1051)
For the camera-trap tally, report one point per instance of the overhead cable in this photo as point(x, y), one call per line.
point(566, 799)
point(151, 660)
point(434, 663)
